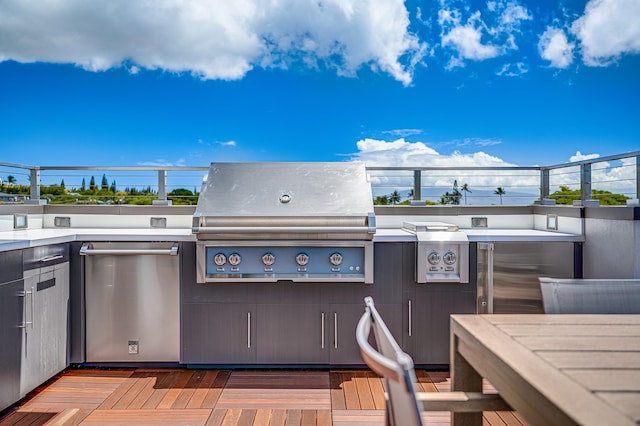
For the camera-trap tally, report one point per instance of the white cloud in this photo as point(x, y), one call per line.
point(607, 30)
point(617, 177)
point(212, 39)
point(400, 153)
point(581, 157)
point(480, 37)
point(161, 162)
point(403, 132)
point(231, 144)
point(555, 48)
point(513, 70)
point(465, 39)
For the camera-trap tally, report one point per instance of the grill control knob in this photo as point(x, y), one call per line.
point(335, 259)
point(219, 259)
point(433, 258)
point(449, 258)
point(302, 259)
point(268, 259)
point(234, 259)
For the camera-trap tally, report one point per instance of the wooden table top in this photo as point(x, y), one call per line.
point(557, 369)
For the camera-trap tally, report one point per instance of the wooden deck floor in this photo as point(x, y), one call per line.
point(145, 396)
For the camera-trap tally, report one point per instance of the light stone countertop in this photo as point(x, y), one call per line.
point(20, 239)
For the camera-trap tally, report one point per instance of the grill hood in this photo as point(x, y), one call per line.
point(285, 201)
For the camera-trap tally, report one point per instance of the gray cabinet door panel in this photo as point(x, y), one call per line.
point(343, 321)
point(291, 334)
point(218, 333)
point(430, 323)
point(11, 309)
point(44, 345)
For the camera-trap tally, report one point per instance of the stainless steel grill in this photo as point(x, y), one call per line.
point(266, 222)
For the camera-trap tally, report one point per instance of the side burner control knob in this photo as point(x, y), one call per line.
point(219, 259)
point(302, 259)
point(449, 258)
point(433, 258)
point(234, 259)
point(335, 259)
point(268, 259)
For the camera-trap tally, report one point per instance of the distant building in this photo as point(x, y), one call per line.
point(11, 198)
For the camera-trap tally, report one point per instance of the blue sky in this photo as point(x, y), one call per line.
point(501, 82)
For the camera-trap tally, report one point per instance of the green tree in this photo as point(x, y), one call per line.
point(500, 191)
point(62, 183)
point(567, 196)
point(452, 197)
point(11, 179)
point(465, 189)
point(395, 197)
point(105, 183)
point(83, 187)
point(113, 187)
point(381, 200)
point(92, 184)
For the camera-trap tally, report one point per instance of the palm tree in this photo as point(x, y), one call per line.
point(465, 189)
point(11, 179)
point(395, 197)
point(500, 191)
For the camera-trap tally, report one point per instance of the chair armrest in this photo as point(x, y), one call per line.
point(461, 402)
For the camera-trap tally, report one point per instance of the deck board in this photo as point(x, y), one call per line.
point(93, 396)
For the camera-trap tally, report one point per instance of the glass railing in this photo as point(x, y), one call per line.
point(605, 181)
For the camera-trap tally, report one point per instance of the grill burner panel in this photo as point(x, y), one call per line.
point(295, 261)
point(442, 252)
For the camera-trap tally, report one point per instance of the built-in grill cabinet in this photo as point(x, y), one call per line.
point(300, 222)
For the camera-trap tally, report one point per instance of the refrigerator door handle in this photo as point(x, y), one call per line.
point(488, 302)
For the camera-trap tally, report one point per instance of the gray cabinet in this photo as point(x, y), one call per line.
point(11, 304)
point(45, 339)
point(285, 323)
point(219, 333)
point(428, 309)
point(343, 320)
point(291, 334)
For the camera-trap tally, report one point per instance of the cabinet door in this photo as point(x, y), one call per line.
point(218, 333)
point(431, 310)
point(44, 348)
point(11, 309)
point(292, 334)
point(343, 321)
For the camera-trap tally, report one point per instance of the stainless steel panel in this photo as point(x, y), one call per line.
point(507, 276)
point(45, 324)
point(133, 297)
point(285, 189)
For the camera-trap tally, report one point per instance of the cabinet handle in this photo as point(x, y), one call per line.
point(248, 330)
point(24, 294)
point(410, 327)
point(335, 330)
point(322, 330)
point(33, 307)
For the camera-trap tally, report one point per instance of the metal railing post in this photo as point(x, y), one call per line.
point(417, 184)
point(544, 187)
point(638, 177)
point(162, 189)
point(34, 180)
point(585, 183)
